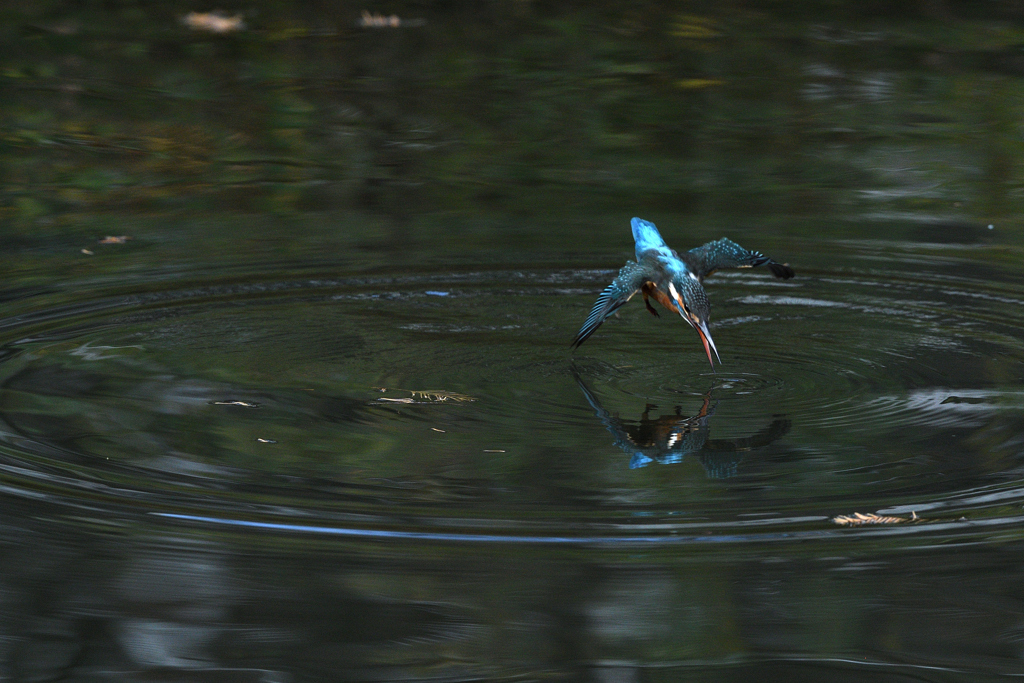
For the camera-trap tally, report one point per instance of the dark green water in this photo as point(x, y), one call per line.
point(316, 418)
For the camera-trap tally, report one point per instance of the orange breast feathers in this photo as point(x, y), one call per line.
point(650, 289)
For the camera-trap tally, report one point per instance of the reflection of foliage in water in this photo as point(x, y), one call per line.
point(509, 106)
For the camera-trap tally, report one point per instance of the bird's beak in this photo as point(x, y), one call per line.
point(701, 327)
point(709, 343)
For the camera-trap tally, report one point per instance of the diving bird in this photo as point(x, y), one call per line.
point(673, 280)
point(669, 438)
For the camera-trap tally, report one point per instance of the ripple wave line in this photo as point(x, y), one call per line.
point(448, 536)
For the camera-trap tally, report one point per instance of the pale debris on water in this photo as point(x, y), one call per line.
point(376, 20)
point(214, 22)
point(368, 20)
point(857, 519)
point(439, 396)
point(428, 396)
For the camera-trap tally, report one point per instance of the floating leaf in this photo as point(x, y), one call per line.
point(857, 519)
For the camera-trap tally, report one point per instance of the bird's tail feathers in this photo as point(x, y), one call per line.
point(780, 270)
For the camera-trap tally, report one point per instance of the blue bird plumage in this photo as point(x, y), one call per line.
point(673, 280)
point(648, 238)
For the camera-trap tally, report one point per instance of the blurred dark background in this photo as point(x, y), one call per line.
point(306, 129)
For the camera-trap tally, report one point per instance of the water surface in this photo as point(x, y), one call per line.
point(286, 390)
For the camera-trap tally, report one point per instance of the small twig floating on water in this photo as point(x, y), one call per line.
point(858, 519)
point(243, 404)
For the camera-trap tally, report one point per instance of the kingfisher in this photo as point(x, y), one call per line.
point(673, 280)
point(669, 438)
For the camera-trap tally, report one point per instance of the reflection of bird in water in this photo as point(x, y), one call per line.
point(673, 279)
point(666, 439)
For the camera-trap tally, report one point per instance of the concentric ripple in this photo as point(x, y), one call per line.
point(448, 405)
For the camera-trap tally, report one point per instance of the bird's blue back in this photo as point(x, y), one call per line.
point(650, 243)
point(648, 238)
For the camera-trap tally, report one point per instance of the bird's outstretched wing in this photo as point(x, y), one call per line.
point(725, 253)
point(630, 279)
point(613, 425)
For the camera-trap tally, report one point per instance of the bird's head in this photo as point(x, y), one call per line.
point(692, 302)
